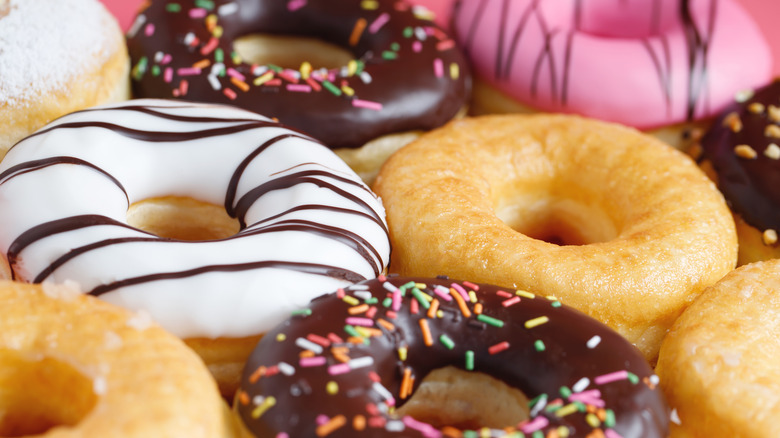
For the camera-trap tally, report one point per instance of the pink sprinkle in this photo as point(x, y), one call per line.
point(274, 82)
point(371, 312)
point(314, 85)
point(198, 13)
point(380, 21)
point(414, 307)
point(504, 294)
point(438, 67)
point(288, 76)
point(166, 59)
point(510, 302)
point(282, 435)
point(589, 398)
point(461, 291)
point(376, 422)
point(340, 293)
point(335, 338)
point(340, 368)
point(611, 377)
point(168, 75)
point(443, 293)
point(445, 45)
point(188, 71)
point(149, 30)
point(299, 88)
point(471, 285)
point(294, 5)
point(367, 104)
point(321, 419)
point(536, 424)
point(417, 46)
point(233, 73)
point(317, 339)
point(210, 46)
point(417, 424)
point(374, 377)
point(609, 433)
point(364, 322)
point(397, 300)
point(184, 85)
point(229, 93)
point(312, 361)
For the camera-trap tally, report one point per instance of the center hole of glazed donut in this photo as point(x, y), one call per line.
point(557, 220)
point(465, 400)
point(182, 218)
point(37, 395)
point(290, 51)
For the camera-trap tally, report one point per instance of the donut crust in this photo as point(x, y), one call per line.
point(655, 228)
point(718, 365)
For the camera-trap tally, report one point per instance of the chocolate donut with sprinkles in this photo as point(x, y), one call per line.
point(405, 73)
point(355, 361)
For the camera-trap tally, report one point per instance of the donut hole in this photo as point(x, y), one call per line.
point(557, 220)
point(465, 400)
point(290, 51)
point(37, 395)
point(182, 218)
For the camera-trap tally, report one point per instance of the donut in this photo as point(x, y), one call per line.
point(56, 56)
point(664, 66)
point(72, 365)
point(353, 364)
point(347, 73)
point(741, 154)
point(718, 364)
point(612, 221)
point(289, 219)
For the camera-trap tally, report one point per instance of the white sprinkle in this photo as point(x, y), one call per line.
point(259, 70)
point(389, 286)
point(420, 33)
point(363, 295)
point(395, 426)
point(361, 362)
point(365, 77)
point(227, 9)
point(258, 400)
point(382, 391)
point(594, 342)
point(136, 26)
point(308, 345)
point(158, 57)
point(581, 385)
point(654, 380)
point(286, 369)
point(674, 417)
point(217, 69)
point(214, 82)
point(189, 38)
point(539, 405)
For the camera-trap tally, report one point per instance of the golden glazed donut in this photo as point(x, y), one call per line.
point(74, 366)
point(611, 221)
point(56, 56)
point(718, 364)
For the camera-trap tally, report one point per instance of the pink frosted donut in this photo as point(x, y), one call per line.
point(642, 63)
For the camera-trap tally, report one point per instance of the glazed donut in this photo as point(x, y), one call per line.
point(302, 222)
point(718, 364)
point(56, 56)
point(609, 220)
point(97, 370)
point(354, 355)
point(395, 71)
point(741, 154)
point(655, 65)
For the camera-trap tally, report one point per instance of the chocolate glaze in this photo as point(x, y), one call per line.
point(275, 369)
point(751, 186)
point(235, 208)
point(411, 94)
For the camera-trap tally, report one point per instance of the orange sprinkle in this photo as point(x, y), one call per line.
point(427, 337)
point(240, 84)
point(386, 324)
point(464, 309)
point(359, 423)
point(451, 432)
point(478, 308)
point(355, 340)
point(406, 383)
point(243, 397)
point(357, 31)
point(331, 425)
point(306, 353)
point(354, 310)
point(257, 374)
point(202, 64)
point(433, 309)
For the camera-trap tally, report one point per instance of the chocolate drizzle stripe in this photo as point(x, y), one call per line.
point(371, 217)
point(698, 48)
point(307, 268)
point(157, 111)
point(515, 41)
point(664, 75)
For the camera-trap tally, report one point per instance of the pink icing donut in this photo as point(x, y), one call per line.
point(642, 63)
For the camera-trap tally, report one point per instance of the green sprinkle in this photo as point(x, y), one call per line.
point(301, 312)
point(140, 68)
point(173, 7)
point(538, 434)
point(581, 406)
point(372, 300)
point(469, 360)
point(490, 320)
point(565, 391)
point(408, 285)
point(609, 418)
point(417, 294)
point(332, 88)
point(556, 304)
point(633, 378)
point(395, 47)
point(539, 345)
point(389, 55)
point(351, 331)
point(361, 65)
point(275, 68)
point(219, 55)
point(470, 434)
point(408, 32)
point(155, 70)
point(387, 302)
point(205, 4)
point(447, 341)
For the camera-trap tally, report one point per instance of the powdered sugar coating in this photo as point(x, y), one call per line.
point(43, 44)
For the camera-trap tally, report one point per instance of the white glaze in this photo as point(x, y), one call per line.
point(214, 304)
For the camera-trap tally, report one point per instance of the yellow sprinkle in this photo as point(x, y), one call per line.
point(218, 31)
point(349, 91)
point(552, 297)
point(563, 431)
point(592, 420)
point(454, 71)
point(260, 80)
point(440, 314)
point(305, 69)
point(369, 4)
point(402, 353)
point(531, 323)
point(352, 301)
point(332, 388)
point(211, 21)
point(472, 297)
point(281, 337)
point(485, 432)
point(267, 404)
point(566, 410)
point(352, 67)
point(524, 294)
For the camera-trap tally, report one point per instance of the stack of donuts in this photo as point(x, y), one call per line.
point(300, 218)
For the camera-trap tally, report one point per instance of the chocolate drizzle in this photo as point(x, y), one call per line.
point(396, 73)
point(332, 181)
point(544, 349)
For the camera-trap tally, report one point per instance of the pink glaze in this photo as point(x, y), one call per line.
point(627, 61)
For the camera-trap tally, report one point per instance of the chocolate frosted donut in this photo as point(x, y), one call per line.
point(406, 73)
point(742, 150)
point(343, 363)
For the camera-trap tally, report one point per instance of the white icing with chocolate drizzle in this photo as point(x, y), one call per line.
point(311, 225)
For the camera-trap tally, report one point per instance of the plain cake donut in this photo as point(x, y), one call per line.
point(613, 222)
point(95, 197)
point(432, 357)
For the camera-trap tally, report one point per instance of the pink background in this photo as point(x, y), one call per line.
point(764, 11)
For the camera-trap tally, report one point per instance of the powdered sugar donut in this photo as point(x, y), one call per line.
point(646, 64)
